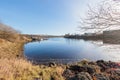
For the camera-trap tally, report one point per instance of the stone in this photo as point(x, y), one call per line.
point(51, 64)
point(82, 76)
point(68, 73)
point(91, 70)
point(77, 68)
point(100, 76)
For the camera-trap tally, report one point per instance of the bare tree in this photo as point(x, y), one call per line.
point(105, 16)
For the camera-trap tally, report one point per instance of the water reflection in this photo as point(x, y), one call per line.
point(111, 51)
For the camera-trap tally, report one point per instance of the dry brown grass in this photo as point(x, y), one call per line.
point(14, 67)
point(17, 69)
point(10, 49)
point(51, 73)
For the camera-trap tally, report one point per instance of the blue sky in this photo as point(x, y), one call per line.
point(54, 17)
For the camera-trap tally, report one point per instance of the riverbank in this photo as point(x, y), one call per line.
point(12, 47)
point(19, 69)
point(14, 67)
point(88, 70)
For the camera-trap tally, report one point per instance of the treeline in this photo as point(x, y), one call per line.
point(85, 36)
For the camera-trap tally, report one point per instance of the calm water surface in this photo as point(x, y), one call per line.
point(70, 50)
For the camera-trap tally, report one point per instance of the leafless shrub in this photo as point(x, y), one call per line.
point(8, 33)
point(6, 28)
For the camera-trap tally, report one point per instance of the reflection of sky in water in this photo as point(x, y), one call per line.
point(61, 48)
point(110, 51)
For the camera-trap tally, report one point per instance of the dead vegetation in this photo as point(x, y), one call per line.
point(12, 64)
point(19, 69)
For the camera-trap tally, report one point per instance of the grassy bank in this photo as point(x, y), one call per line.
point(14, 67)
point(11, 45)
point(10, 49)
point(19, 69)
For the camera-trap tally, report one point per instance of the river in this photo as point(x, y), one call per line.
point(70, 50)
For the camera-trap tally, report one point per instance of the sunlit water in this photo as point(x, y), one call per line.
point(70, 50)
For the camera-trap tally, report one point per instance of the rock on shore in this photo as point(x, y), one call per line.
point(99, 70)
